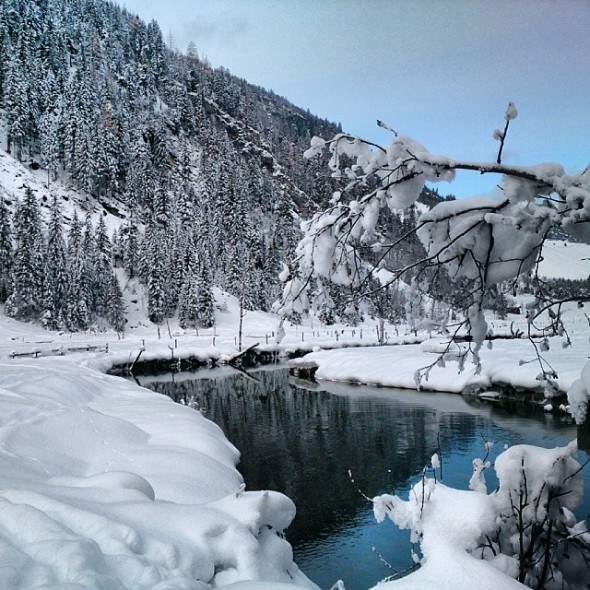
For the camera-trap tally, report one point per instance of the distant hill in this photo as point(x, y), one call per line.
point(189, 165)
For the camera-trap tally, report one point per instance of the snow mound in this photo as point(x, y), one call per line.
point(106, 485)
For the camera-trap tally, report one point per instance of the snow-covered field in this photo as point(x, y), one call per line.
point(565, 260)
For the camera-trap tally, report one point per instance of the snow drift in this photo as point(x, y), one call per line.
point(106, 485)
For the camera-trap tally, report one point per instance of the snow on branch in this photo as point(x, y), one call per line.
point(485, 239)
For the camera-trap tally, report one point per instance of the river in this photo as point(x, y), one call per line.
point(304, 439)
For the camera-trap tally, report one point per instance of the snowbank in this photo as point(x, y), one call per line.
point(472, 537)
point(106, 485)
point(450, 523)
point(396, 366)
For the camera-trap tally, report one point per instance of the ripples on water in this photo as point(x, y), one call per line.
point(302, 440)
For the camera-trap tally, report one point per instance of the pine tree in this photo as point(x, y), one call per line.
point(49, 129)
point(5, 252)
point(114, 312)
point(89, 259)
point(131, 244)
point(78, 315)
point(188, 307)
point(101, 277)
point(16, 105)
point(156, 277)
point(195, 308)
point(205, 302)
point(56, 276)
point(25, 301)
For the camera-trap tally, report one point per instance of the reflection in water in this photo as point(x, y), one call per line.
point(303, 441)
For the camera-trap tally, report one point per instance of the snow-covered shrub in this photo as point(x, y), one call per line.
point(525, 529)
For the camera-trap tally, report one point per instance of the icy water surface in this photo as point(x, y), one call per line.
point(302, 440)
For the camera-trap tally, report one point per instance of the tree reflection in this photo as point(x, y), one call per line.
point(304, 443)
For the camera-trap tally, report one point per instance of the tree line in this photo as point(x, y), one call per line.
point(204, 169)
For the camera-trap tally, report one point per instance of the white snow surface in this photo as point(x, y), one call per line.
point(395, 366)
point(566, 260)
point(16, 176)
point(106, 485)
point(450, 522)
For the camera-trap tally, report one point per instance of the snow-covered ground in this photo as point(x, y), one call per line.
point(121, 488)
point(118, 486)
point(16, 176)
point(106, 485)
point(565, 260)
point(396, 366)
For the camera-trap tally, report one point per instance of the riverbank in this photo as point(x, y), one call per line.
point(122, 488)
point(508, 368)
point(342, 353)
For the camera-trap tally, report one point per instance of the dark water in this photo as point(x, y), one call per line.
point(303, 441)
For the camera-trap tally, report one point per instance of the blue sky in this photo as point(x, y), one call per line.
point(440, 71)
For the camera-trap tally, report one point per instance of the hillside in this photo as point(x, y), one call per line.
point(148, 165)
point(197, 174)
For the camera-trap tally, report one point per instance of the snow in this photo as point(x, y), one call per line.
point(459, 531)
point(511, 112)
point(450, 523)
point(558, 260)
point(484, 232)
point(395, 366)
point(121, 488)
point(16, 176)
point(579, 394)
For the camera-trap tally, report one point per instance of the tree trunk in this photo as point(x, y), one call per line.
point(584, 434)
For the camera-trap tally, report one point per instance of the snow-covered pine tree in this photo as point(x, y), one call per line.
point(130, 245)
point(188, 306)
point(78, 315)
point(16, 104)
point(56, 275)
point(90, 257)
point(115, 313)
point(156, 275)
point(101, 277)
point(205, 303)
point(140, 175)
point(195, 309)
point(26, 299)
point(6, 255)
point(49, 131)
point(108, 148)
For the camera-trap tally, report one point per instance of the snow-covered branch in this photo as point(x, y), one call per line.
point(485, 239)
